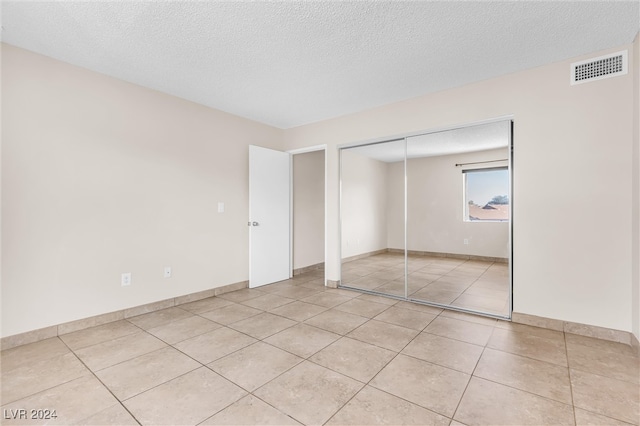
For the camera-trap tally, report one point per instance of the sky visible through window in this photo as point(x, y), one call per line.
point(487, 195)
point(484, 185)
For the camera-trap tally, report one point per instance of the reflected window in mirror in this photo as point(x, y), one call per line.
point(486, 196)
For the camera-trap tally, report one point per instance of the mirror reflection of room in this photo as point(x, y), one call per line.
point(366, 217)
point(457, 218)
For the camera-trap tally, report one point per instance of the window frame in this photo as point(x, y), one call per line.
point(465, 200)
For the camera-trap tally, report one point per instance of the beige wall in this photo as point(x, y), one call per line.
point(435, 208)
point(395, 205)
point(101, 177)
point(364, 208)
point(572, 151)
point(308, 209)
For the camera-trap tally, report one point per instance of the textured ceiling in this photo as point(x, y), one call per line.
point(291, 63)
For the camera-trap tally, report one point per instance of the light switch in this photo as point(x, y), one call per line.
point(125, 279)
point(220, 207)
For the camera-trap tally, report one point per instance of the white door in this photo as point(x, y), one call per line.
point(269, 215)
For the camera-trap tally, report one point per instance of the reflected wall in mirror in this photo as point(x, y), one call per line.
point(452, 226)
point(367, 192)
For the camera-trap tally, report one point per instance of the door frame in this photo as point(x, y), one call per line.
point(306, 150)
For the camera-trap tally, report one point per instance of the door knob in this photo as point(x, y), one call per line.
point(255, 224)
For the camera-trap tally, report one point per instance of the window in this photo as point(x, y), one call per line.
point(486, 195)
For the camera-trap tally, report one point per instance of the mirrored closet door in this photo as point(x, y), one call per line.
point(372, 211)
point(443, 199)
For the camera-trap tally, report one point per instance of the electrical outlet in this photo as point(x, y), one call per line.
point(167, 271)
point(466, 241)
point(125, 279)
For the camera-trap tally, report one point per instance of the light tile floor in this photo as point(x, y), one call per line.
point(471, 284)
point(296, 352)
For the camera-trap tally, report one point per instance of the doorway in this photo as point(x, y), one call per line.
point(308, 212)
point(287, 214)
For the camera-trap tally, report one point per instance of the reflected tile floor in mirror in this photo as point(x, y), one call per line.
point(296, 352)
point(470, 284)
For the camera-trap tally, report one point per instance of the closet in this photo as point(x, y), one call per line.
point(428, 218)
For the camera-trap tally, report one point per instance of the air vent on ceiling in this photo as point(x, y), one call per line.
point(593, 69)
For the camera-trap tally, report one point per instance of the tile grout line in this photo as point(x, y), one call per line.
point(93, 373)
point(184, 374)
point(569, 368)
point(201, 365)
point(513, 387)
point(466, 288)
point(525, 356)
point(141, 330)
point(524, 391)
point(4, 403)
point(279, 375)
point(130, 359)
point(379, 371)
point(471, 376)
point(98, 343)
point(603, 376)
point(367, 383)
point(288, 369)
point(566, 351)
point(319, 350)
